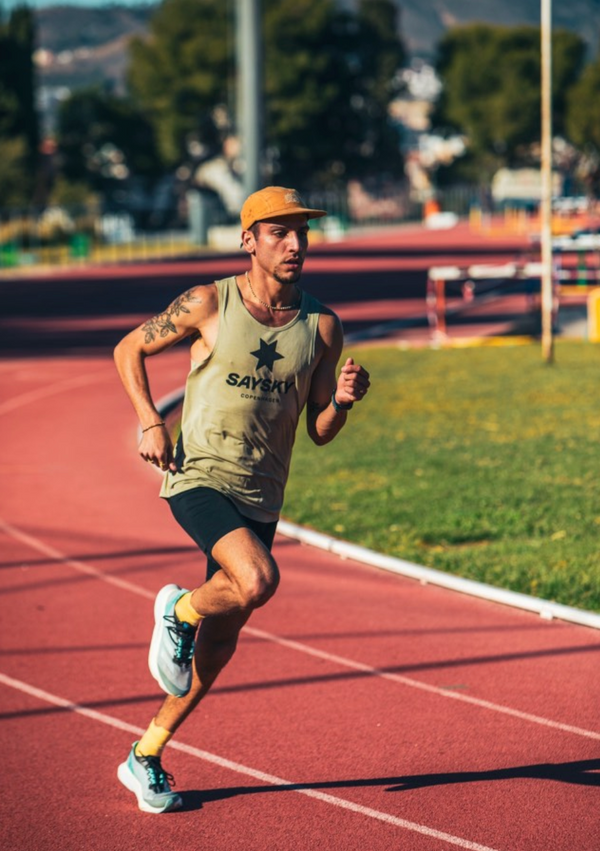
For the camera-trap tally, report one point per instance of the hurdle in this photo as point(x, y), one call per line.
point(468, 278)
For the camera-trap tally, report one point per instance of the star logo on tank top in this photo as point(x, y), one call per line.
point(267, 355)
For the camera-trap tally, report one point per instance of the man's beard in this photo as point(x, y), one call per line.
point(291, 277)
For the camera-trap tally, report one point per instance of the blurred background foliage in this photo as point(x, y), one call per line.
point(491, 90)
point(332, 74)
point(19, 131)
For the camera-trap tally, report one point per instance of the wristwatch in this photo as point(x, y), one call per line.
point(339, 406)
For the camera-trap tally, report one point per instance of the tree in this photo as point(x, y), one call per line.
point(328, 78)
point(583, 111)
point(382, 55)
point(183, 71)
point(16, 179)
point(19, 136)
point(104, 140)
point(583, 124)
point(491, 88)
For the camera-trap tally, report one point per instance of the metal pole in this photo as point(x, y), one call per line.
point(249, 90)
point(547, 299)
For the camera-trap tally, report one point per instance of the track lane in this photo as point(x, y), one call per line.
point(446, 762)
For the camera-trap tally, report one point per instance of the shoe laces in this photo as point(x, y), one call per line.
point(182, 635)
point(158, 779)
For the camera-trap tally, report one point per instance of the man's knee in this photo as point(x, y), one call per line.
point(250, 569)
point(258, 586)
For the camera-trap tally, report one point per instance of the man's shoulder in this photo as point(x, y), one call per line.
point(328, 322)
point(199, 302)
point(223, 283)
point(204, 293)
point(316, 306)
point(331, 332)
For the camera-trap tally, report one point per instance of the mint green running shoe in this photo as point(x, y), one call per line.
point(172, 646)
point(149, 782)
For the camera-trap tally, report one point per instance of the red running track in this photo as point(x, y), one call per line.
point(362, 711)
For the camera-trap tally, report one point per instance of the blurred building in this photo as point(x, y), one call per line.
point(423, 149)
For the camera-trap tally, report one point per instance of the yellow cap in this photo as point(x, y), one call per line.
point(274, 201)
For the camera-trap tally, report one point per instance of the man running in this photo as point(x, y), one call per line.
point(261, 349)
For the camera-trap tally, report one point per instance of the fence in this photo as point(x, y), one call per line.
point(64, 236)
point(78, 235)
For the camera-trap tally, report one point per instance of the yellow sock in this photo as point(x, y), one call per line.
point(153, 741)
point(185, 611)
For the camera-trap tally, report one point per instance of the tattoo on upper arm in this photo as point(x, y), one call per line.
point(162, 325)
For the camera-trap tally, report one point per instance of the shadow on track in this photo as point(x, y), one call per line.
point(399, 670)
point(580, 773)
point(123, 554)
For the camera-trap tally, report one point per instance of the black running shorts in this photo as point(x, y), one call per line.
point(208, 515)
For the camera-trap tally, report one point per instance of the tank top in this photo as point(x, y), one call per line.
point(242, 405)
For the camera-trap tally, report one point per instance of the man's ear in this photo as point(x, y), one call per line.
point(248, 242)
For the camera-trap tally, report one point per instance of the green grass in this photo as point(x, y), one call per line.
point(481, 462)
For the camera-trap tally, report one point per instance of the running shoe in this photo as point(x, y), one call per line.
point(149, 782)
point(172, 646)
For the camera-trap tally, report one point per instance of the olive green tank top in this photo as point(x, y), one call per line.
point(242, 405)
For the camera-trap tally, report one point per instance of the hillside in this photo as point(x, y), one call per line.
point(85, 45)
point(423, 22)
point(81, 46)
point(66, 27)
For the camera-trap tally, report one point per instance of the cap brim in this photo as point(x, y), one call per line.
point(311, 214)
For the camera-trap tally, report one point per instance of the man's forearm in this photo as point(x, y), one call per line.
point(132, 371)
point(326, 423)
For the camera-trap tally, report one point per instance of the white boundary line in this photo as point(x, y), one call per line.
point(345, 550)
point(88, 569)
point(81, 566)
point(49, 390)
point(270, 779)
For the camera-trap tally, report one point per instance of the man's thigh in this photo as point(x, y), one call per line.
point(211, 519)
point(244, 558)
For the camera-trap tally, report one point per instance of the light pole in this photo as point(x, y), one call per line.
point(249, 90)
point(547, 296)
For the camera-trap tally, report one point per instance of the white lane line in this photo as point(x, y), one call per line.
point(306, 649)
point(222, 762)
point(50, 390)
point(81, 566)
point(408, 681)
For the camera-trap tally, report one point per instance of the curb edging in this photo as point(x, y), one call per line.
point(546, 609)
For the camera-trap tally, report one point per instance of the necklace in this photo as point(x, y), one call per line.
point(272, 306)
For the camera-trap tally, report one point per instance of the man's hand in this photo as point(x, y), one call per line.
point(352, 384)
point(156, 448)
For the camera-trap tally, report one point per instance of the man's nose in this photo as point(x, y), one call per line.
point(294, 241)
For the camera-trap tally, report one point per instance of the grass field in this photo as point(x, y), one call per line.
point(482, 462)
